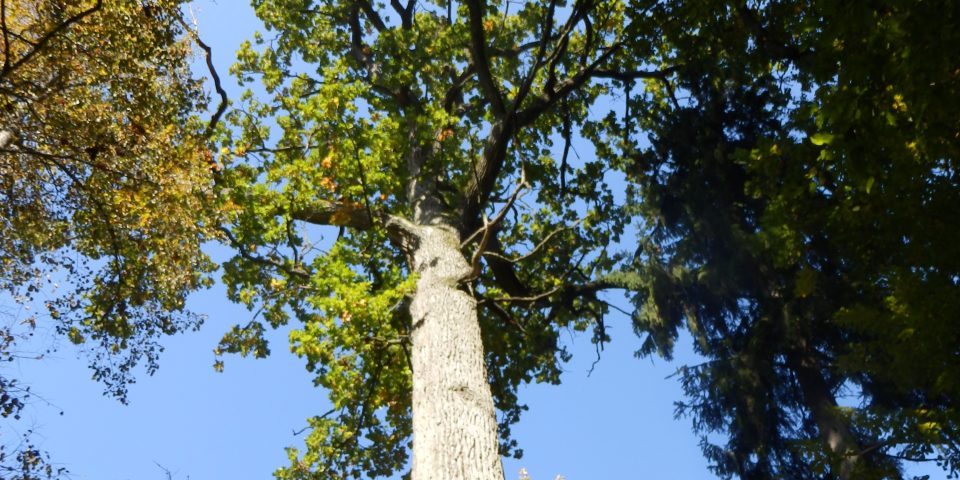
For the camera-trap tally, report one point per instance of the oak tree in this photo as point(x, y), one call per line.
point(435, 139)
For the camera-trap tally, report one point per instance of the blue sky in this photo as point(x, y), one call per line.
point(616, 423)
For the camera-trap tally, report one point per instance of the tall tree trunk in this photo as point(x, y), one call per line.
point(833, 428)
point(454, 424)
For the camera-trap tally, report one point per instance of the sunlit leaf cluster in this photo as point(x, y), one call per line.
point(105, 180)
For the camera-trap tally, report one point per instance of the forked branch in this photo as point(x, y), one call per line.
point(490, 227)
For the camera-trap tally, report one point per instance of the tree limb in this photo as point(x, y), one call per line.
point(490, 227)
point(372, 15)
point(485, 173)
point(208, 55)
point(6, 35)
point(343, 213)
point(339, 213)
point(478, 50)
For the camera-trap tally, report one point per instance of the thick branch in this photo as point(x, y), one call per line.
point(401, 232)
point(338, 213)
point(6, 35)
point(485, 174)
point(405, 12)
point(478, 50)
point(372, 15)
point(361, 53)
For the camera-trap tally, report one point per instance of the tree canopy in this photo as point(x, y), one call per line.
point(791, 163)
point(777, 178)
point(799, 191)
point(105, 186)
point(106, 178)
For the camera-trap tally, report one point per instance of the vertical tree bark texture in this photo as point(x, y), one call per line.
point(454, 424)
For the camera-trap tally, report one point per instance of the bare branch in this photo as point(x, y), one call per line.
point(342, 213)
point(208, 54)
point(490, 227)
point(533, 251)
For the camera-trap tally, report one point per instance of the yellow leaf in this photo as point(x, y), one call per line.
point(898, 103)
point(327, 161)
point(820, 139)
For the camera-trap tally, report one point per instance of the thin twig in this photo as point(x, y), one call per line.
point(532, 252)
point(490, 226)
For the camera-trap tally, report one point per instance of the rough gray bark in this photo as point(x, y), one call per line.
point(454, 424)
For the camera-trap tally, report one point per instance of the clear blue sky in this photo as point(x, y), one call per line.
point(615, 424)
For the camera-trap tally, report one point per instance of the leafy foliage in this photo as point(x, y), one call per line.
point(104, 177)
point(799, 187)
